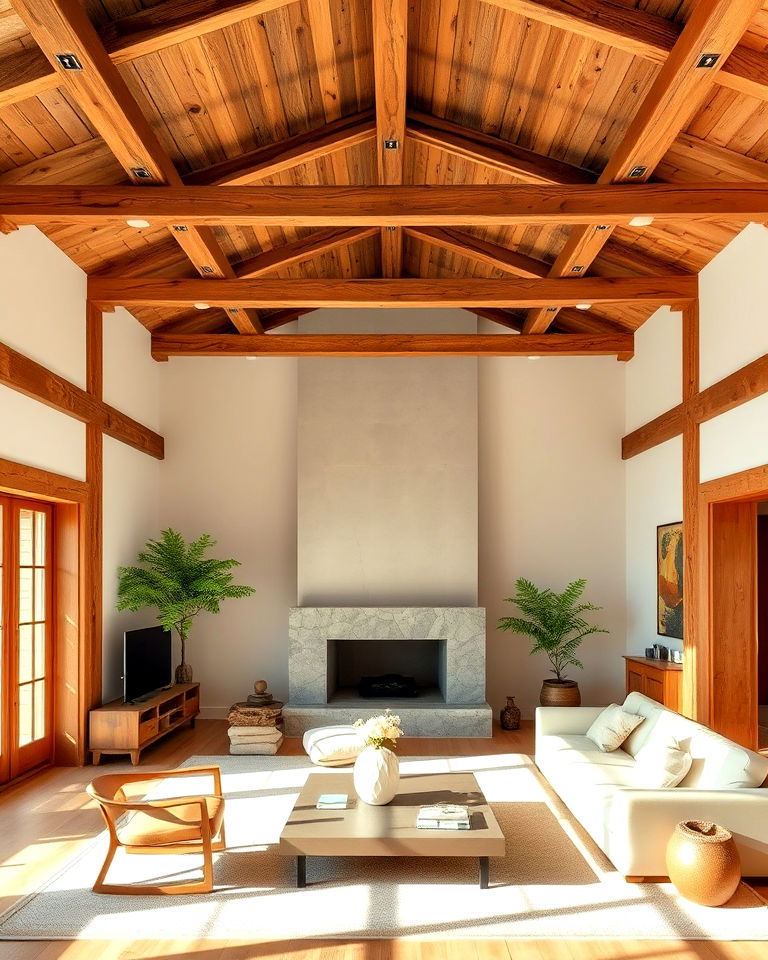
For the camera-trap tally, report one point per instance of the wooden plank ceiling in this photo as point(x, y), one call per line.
point(305, 92)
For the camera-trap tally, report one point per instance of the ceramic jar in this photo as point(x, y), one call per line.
point(703, 862)
point(509, 718)
point(376, 775)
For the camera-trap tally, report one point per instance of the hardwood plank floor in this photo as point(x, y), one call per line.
point(45, 820)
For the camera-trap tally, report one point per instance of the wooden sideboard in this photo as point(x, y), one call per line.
point(660, 680)
point(120, 727)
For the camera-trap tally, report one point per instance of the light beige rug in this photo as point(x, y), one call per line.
point(553, 883)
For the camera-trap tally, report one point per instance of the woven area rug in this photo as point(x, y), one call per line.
point(553, 883)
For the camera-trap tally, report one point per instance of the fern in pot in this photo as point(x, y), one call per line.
point(181, 582)
point(556, 625)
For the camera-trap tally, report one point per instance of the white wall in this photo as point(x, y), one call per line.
point(733, 332)
point(230, 470)
point(387, 468)
point(42, 315)
point(552, 510)
point(654, 479)
point(131, 478)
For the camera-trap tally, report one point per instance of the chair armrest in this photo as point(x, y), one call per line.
point(558, 720)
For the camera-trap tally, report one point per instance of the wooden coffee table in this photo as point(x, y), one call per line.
point(390, 831)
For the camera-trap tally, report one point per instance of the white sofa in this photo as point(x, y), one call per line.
point(631, 824)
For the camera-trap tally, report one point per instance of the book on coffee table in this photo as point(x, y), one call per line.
point(443, 816)
point(332, 801)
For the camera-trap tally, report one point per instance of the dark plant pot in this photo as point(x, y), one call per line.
point(510, 715)
point(560, 693)
point(183, 673)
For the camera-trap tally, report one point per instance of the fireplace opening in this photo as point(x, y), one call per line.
point(386, 670)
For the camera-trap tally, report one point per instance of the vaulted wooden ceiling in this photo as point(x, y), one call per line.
point(305, 92)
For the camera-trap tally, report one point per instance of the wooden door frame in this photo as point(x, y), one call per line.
point(746, 487)
point(77, 589)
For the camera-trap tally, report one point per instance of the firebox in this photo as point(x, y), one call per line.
point(386, 669)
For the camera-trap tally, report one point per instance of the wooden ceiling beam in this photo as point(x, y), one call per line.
point(453, 205)
point(317, 243)
point(493, 152)
point(274, 158)
point(390, 53)
point(62, 26)
point(641, 34)
point(29, 73)
point(714, 27)
point(404, 293)
point(492, 254)
point(390, 345)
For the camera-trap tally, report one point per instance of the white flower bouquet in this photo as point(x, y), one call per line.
point(381, 731)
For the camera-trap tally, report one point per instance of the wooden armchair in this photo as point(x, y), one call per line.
point(193, 824)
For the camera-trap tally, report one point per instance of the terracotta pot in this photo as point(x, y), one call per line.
point(560, 693)
point(183, 673)
point(509, 718)
point(376, 775)
point(703, 862)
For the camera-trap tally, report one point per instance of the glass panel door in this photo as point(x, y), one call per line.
point(26, 661)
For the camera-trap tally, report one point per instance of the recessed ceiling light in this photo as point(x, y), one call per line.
point(202, 306)
point(138, 224)
point(583, 306)
point(534, 358)
point(641, 221)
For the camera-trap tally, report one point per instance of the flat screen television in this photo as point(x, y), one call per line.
point(146, 662)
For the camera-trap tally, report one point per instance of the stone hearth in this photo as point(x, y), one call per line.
point(456, 709)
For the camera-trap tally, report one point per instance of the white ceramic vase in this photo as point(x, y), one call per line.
point(376, 775)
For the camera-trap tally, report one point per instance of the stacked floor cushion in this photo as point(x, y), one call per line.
point(255, 730)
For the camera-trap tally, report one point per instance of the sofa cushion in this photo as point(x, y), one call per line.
point(612, 727)
point(660, 765)
point(572, 748)
point(717, 763)
point(333, 746)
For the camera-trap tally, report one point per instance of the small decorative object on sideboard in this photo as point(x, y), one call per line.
point(376, 774)
point(557, 628)
point(181, 582)
point(509, 718)
point(703, 862)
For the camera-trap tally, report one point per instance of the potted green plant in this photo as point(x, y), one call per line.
point(557, 628)
point(178, 579)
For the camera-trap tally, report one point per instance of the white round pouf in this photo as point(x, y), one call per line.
point(376, 775)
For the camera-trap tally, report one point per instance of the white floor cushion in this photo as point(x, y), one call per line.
point(333, 746)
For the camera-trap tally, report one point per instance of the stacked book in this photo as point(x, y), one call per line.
point(443, 816)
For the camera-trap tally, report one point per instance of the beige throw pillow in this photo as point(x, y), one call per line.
point(660, 765)
point(612, 727)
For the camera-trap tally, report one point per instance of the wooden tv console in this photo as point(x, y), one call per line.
point(119, 727)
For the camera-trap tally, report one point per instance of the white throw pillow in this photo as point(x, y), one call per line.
point(333, 746)
point(660, 765)
point(612, 727)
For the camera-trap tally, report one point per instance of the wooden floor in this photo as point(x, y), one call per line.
point(46, 819)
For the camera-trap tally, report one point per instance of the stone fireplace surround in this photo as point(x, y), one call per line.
point(461, 712)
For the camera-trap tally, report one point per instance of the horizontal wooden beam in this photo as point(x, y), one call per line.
point(390, 345)
point(656, 431)
point(459, 205)
point(34, 380)
point(745, 384)
point(25, 480)
point(404, 293)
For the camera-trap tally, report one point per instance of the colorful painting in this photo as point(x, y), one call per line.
point(669, 565)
